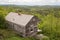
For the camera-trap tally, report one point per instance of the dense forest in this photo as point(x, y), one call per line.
point(49, 21)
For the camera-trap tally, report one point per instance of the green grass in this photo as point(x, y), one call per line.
point(18, 38)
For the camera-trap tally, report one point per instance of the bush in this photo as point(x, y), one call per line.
point(2, 21)
point(50, 27)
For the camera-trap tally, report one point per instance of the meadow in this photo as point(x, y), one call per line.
point(49, 21)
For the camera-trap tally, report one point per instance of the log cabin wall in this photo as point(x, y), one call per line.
point(31, 28)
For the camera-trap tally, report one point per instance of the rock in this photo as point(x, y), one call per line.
point(39, 30)
point(41, 37)
point(1, 36)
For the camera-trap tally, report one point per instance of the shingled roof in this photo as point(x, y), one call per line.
point(22, 19)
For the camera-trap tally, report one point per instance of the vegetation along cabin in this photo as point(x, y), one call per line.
point(24, 24)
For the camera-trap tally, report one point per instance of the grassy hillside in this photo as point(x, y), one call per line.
point(49, 21)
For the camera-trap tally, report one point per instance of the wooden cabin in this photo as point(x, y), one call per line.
point(23, 24)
